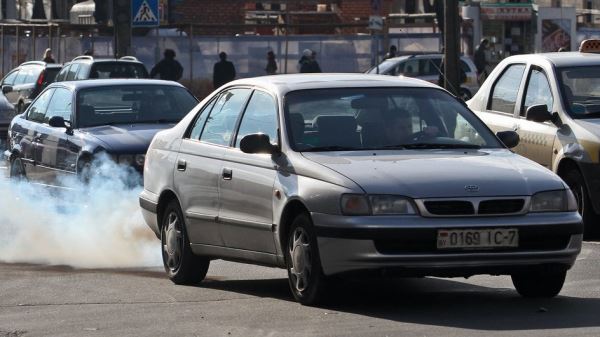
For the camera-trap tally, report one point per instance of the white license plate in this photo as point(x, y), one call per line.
point(477, 238)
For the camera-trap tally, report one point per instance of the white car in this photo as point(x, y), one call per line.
point(427, 67)
point(334, 174)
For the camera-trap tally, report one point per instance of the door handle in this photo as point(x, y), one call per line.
point(227, 174)
point(181, 165)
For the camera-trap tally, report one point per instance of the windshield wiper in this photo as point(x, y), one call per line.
point(440, 146)
point(329, 148)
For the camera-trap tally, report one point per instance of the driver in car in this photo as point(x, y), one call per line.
point(399, 129)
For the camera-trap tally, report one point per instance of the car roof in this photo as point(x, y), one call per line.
point(91, 59)
point(560, 59)
point(404, 57)
point(41, 63)
point(83, 84)
point(291, 82)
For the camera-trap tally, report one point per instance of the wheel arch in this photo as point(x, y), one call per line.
point(290, 211)
point(165, 197)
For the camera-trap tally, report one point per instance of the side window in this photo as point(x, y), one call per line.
point(260, 116)
point(538, 91)
point(60, 105)
point(82, 74)
point(21, 77)
point(10, 78)
point(200, 120)
point(33, 73)
point(430, 67)
point(72, 72)
point(62, 75)
point(38, 108)
point(411, 68)
point(504, 93)
point(221, 122)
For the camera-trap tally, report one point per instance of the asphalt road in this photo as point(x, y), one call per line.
point(244, 300)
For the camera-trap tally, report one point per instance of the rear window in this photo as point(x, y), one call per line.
point(50, 75)
point(118, 70)
point(119, 104)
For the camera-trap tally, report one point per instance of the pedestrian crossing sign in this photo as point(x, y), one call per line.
point(144, 13)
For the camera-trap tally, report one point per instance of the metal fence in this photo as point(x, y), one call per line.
point(197, 54)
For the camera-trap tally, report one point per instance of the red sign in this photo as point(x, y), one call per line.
point(506, 13)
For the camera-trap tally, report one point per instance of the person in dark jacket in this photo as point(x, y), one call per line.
point(168, 68)
point(48, 56)
point(479, 58)
point(271, 68)
point(308, 62)
point(391, 53)
point(223, 71)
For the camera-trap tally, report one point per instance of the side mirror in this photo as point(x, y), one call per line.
point(509, 138)
point(538, 113)
point(57, 122)
point(6, 89)
point(257, 143)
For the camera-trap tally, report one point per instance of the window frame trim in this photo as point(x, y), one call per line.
point(514, 113)
point(530, 70)
point(243, 113)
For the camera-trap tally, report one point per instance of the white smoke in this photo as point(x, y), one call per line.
point(94, 225)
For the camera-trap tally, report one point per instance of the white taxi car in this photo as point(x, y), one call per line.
point(552, 101)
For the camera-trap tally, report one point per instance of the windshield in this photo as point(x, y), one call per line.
point(581, 90)
point(124, 104)
point(385, 67)
point(382, 118)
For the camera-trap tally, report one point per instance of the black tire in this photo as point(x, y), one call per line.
point(17, 169)
point(303, 262)
point(84, 170)
point(590, 219)
point(539, 283)
point(181, 265)
point(20, 107)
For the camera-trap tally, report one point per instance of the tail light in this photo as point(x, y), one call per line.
point(40, 80)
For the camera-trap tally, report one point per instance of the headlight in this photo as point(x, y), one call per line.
point(553, 201)
point(391, 204)
point(360, 204)
point(139, 159)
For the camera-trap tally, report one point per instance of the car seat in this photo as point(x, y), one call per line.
point(337, 131)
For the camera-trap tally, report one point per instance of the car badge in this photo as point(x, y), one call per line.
point(472, 188)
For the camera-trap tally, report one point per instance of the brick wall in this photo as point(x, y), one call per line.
point(227, 13)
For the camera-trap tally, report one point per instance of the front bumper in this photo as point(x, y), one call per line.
point(407, 244)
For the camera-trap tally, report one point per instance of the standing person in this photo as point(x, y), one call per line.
point(48, 56)
point(271, 68)
point(479, 59)
point(223, 71)
point(168, 68)
point(308, 62)
point(392, 53)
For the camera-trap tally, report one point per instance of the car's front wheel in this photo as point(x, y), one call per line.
point(182, 266)
point(305, 274)
point(539, 283)
point(575, 181)
point(17, 169)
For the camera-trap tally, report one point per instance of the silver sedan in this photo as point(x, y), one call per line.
point(342, 174)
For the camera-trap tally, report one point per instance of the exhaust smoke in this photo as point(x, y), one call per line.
point(93, 225)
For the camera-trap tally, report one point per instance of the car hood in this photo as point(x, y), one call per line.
point(125, 138)
point(441, 173)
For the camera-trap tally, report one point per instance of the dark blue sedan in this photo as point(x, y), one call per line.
point(71, 122)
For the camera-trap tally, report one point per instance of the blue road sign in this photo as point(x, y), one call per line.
point(144, 13)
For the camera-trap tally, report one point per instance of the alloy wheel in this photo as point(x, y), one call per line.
point(301, 258)
point(173, 242)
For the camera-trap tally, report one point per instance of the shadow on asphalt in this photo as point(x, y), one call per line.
point(441, 302)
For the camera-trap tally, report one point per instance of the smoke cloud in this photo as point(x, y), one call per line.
point(94, 225)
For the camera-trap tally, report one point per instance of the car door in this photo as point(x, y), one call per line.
point(199, 165)
point(500, 111)
point(246, 191)
point(26, 85)
point(536, 138)
point(26, 132)
point(56, 153)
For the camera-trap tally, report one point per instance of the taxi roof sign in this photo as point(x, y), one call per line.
point(589, 46)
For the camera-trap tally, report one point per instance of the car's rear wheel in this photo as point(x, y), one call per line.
point(590, 219)
point(182, 266)
point(17, 169)
point(305, 274)
point(537, 283)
